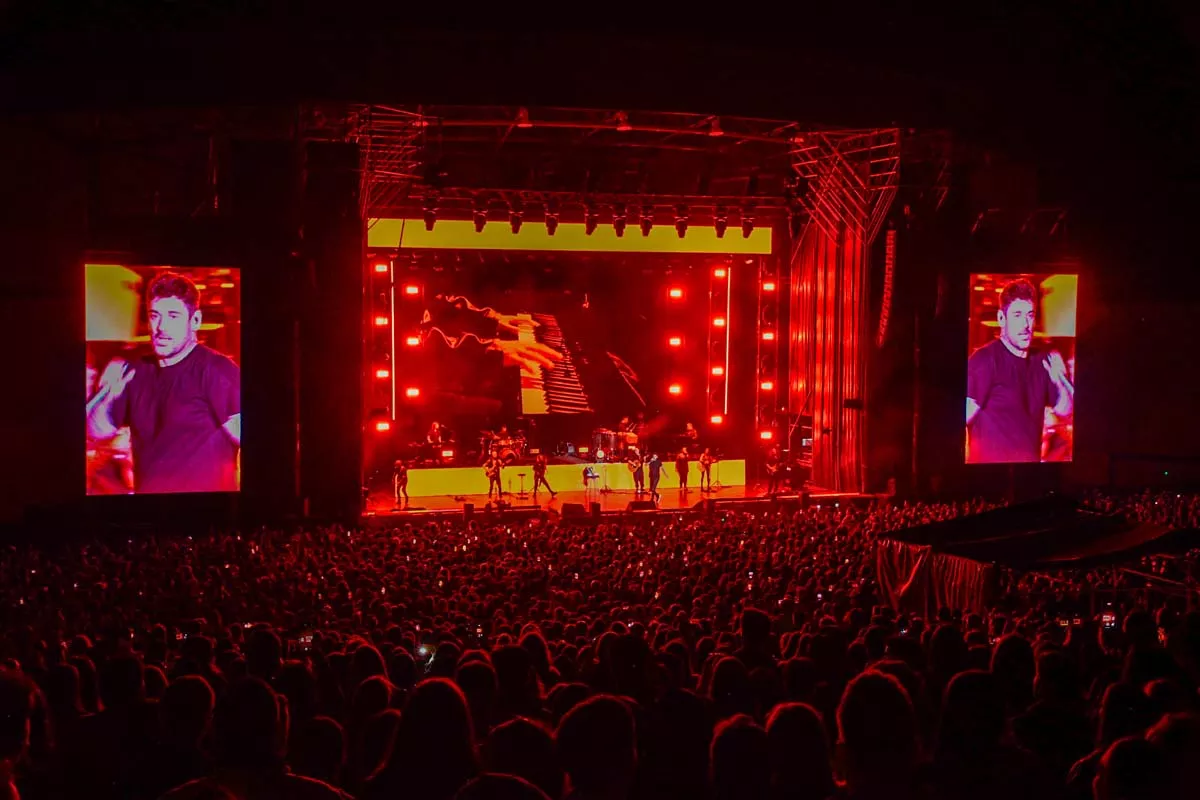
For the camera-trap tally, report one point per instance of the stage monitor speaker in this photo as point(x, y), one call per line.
point(573, 511)
point(596, 511)
point(641, 505)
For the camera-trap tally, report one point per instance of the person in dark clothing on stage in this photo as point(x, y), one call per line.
point(183, 405)
point(655, 468)
point(1010, 385)
point(706, 462)
point(681, 469)
point(400, 481)
point(539, 475)
point(774, 471)
point(639, 473)
point(492, 469)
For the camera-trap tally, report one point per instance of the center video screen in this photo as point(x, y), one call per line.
point(163, 412)
point(1020, 399)
point(521, 353)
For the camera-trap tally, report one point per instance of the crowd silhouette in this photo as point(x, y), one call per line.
point(725, 657)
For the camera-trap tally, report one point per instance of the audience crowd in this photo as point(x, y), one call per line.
point(720, 657)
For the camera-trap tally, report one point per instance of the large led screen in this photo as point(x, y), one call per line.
point(164, 409)
point(1020, 402)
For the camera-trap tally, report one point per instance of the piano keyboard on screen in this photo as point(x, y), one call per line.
point(551, 390)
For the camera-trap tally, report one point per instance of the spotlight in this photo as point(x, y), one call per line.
point(675, 389)
point(718, 322)
point(590, 218)
point(767, 386)
point(716, 419)
point(721, 221)
point(675, 341)
point(720, 272)
point(480, 219)
point(768, 286)
point(747, 220)
point(675, 293)
point(447, 454)
point(412, 341)
point(429, 211)
point(412, 290)
point(551, 216)
point(516, 216)
point(381, 268)
point(381, 322)
point(768, 336)
point(647, 221)
point(383, 374)
point(412, 391)
point(718, 371)
point(619, 219)
point(383, 426)
point(681, 220)
point(622, 121)
point(766, 436)
point(523, 118)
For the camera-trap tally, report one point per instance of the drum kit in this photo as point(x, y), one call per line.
point(609, 445)
point(508, 449)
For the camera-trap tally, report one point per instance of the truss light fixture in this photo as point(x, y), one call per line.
point(681, 220)
point(714, 127)
point(621, 119)
point(591, 218)
point(479, 215)
point(721, 221)
point(516, 215)
point(647, 219)
point(429, 211)
point(523, 118)
point(619, 219)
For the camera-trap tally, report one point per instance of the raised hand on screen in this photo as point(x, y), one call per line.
point(116, 377)
point(1055, 367)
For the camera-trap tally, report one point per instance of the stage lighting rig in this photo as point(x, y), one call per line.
point(429, 211)
point(591, 218)
point(551, 215)
point(747, 220)
point(681, 220)
point(647, 219)
point(480, 214)
point(516, 215)
point(721, 221)
point(620, 217)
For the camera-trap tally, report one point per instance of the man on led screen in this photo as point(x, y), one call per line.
point(1010, 385)
point(182, 406)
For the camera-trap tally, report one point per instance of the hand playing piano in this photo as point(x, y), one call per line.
point(512, 323)
point(527, 355)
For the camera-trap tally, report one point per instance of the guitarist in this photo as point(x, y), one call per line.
point(491, 468)
point(400, 481)
point(774, 471)
point(639, 472)
point(706, 462)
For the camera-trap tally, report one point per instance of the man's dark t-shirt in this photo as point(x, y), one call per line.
point(1012, 394)
point(175, 415)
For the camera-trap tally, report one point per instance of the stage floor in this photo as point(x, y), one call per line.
point(610, 502)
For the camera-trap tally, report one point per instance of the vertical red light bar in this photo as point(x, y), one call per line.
point(767, 343)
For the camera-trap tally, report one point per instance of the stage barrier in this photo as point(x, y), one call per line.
point(562, 477)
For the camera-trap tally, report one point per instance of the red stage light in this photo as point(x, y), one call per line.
point(381, 322)
point(382, 374)
point(767, 386)
point(381, 268)
point(383, 426)
point(412, 289)
point(583, 451)
point(718, 371)
point(768, 286)
point(227, 285)
point(718, 322)
point(720, 272)
point(675, 293)
point(412, 341)
point(675, 341)
point(447, 454)
point(675, 389)
point(716, 419)
point(768, 336)
point(412, 391)
point(766, 436)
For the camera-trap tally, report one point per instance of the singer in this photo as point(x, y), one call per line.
point(182, 406)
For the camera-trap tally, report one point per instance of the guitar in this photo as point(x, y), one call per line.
point(492, 472)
